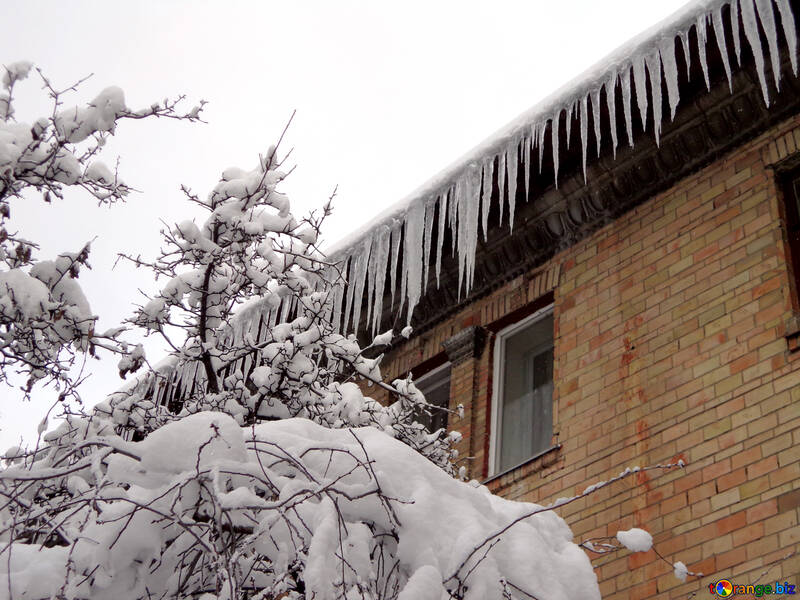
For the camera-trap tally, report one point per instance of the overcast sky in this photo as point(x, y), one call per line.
point(386, 94)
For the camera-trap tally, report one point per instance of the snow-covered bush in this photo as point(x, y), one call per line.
point(204, 508)
point(45, 319)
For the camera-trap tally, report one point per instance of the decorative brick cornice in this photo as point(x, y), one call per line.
point(467, 343)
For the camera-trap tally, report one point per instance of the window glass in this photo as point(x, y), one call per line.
point(436, 388)
point(526, 390)
point(791, 196)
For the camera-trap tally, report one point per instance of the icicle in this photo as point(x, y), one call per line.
point(355, 288)
point(737, 43)
point(467, 197)
point(583, 121)
point(702, 40)
point(442, 210)
point(403, 296)
point(554, 143)
point(596, 118)
point(412, 254)
point(501, 183)
point(513, 157)
point(371, 266)
point(639, 79)
point(486, 195)
point(687, 56)
point(284, 310)
point(380, 253)
point(667, 50)
point(568, 123)
point(719, 33)
point(457, 201)
point(787, 23)
point(275, 313)
point(611, 103)
point(396, 231)
point(452, 220)
point(430, 208)
point(767, 18)
point(338, 300)
point(247, 363)
point(751, 33)
point(654, 68)
point(526, 165)
point(626, 103)
point(348, 294)
point(541, 129)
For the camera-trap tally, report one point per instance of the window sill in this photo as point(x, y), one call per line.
point(534, 464)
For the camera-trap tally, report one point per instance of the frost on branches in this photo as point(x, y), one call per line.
point(45, 319)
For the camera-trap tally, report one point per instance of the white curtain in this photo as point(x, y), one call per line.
point(526, 427)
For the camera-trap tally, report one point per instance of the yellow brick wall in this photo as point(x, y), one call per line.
point(669, 344)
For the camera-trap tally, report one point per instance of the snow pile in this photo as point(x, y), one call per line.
point(22, 297)
point(680, 571)
point(194, 442)
point(401, 240)
point(286, 507)
point(100, 115)
point(635, 540)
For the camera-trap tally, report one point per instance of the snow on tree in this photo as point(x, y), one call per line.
point(246, 308)
point(45, 318)
point(273, 476)
point(635, 540)
point(248, 463)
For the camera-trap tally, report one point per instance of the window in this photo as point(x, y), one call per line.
point(791, 198)
point(522, 413)
point(435, 385)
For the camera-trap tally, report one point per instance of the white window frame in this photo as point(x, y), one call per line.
point(497, 385)
point(432, 373)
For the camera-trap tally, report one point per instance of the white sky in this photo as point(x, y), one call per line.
point(386, 95)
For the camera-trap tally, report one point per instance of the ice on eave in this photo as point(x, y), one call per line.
point(460, 195)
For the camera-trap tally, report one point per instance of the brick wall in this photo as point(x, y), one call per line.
point(669, 344)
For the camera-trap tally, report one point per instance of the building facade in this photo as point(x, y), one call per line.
point(613, 281)
point(674, 337)
point(642, 314)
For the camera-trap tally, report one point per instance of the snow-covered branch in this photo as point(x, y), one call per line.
point(247, 309)
point(45, 319)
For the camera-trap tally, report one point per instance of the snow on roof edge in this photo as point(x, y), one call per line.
point(595, 77)
point(457, 193)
